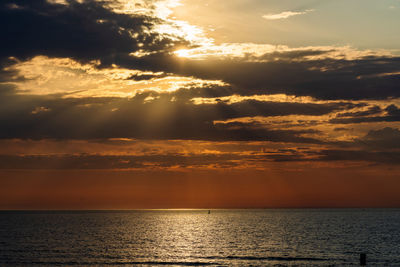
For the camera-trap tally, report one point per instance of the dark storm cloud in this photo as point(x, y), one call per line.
point(237, 131)
point(145, 77)
point(370, 111)
point(290, 73)
point(393, 110)
point(83, 31)
point(87, 161)
point(392, 115)
point(339, 129)
point(328, 79)
point(186, 94)
point(381, 157)
point(36, 117)
point(116, 162)
point(90, 31)
point(378, 146)
point(226, 160)
point(386, 138)
point(385, 157)
point(290, 55)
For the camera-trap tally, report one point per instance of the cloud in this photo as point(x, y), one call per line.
point(82, 30)
point(176, 155)
point(386, 138)
point(286, 14)
point(44, 76)
point(93, 71)
point(150, 115)
point(360, 155)
point(373, 110)
point(91, 31)
point(392, 114)
point(326, 79)
point(290, 73)
point(116, 162)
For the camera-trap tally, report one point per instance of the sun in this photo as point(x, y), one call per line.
point(183, 53)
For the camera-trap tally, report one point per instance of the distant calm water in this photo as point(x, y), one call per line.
point(192, 238)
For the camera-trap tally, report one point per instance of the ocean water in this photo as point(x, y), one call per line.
point(306, 237)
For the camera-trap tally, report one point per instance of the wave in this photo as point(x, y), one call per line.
point(255, 258)
point(80, 263)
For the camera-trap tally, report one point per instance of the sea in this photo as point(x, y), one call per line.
point(270, 237)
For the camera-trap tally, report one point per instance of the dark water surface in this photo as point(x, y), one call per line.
point(308, 237)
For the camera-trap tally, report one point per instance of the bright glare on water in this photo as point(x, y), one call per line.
point(192, 238)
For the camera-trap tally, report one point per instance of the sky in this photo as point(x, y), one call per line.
point(153, 104)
